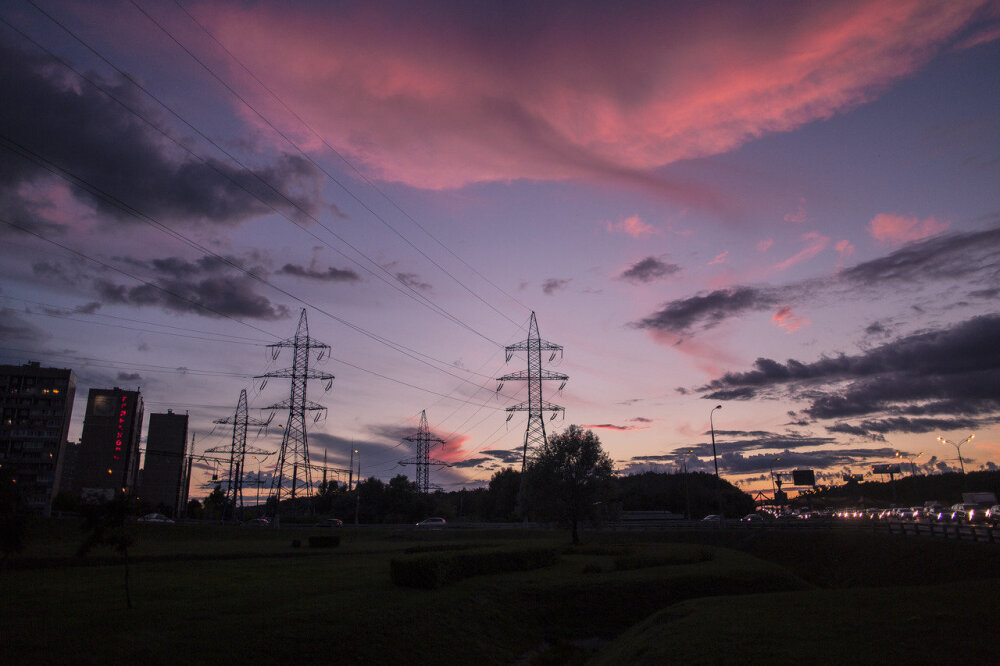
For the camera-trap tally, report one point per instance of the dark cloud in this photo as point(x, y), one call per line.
point(641, 419)
point(948, 257)
point(207, 286)
point(331, 274)
point(504, 456)
point(212, 296)
point(707, 310)
point(14, 329)
point(471, 462)
point(937, 376)
point(129, 377)
point(552, 285)
point(649, 270)
point(969, 257)
point(413, 281)
point(737, 463)
point(613, 426)
point(51, 113)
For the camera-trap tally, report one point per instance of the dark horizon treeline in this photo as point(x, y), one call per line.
point(399, 500)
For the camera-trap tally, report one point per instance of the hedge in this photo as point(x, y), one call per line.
point(433, 570)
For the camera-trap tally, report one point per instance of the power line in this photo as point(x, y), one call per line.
point(361, 175)
point(309, 159)
point(56, 170)
point(395, 283)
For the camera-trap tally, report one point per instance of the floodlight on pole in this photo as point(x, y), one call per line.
point(715, 458)
point(909, 457)
point(958, 448)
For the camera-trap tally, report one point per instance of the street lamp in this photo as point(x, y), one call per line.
point(958, 448)
point(715, 458)
point(774, 491)
point(909, 458)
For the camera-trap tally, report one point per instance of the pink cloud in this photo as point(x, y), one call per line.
point(707, 357)
point(815, 243)
point(440, 97)
point(844, 249)
point(719, 258)
point(788, 320)
point(892, 228)
point(798, 215)
point(613, 426)
point(633, 226)
point(765, 245)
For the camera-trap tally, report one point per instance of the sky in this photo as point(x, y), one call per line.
point(791, 210)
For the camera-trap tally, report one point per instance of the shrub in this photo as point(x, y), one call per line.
point(324, 541)
point(646, 560)
point(434, 570)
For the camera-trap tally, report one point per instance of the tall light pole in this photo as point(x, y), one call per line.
point(909, 458)
point(774, 491)
point(715, 458)
point(958, 448)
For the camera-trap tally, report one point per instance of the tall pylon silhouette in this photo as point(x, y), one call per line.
point(292, 468)
point(535, 405)
point(238, 451)
point(423, 439)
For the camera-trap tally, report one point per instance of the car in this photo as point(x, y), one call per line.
point(154, 518)
point(752, 518)
point(330, 522)
point(258, 522)
point(713, 516)
point(994, 515)
point(432, 523)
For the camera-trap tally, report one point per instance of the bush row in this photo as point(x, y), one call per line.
point(646, 560)
point(434, 570)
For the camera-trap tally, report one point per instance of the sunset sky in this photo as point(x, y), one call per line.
point(791, 209)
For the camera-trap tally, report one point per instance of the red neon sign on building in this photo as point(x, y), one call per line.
point(123, 411)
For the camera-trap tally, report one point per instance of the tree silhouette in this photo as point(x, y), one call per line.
point(569, 474)
point(111, 524)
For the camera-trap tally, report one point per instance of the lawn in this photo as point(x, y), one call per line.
point(207, 594)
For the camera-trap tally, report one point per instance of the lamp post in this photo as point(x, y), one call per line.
point(715, 458)
point(774, 491)
point(958, 448)
point(908, 457)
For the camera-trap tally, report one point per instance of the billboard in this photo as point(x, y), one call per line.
point(885, 469)
point(804, 477)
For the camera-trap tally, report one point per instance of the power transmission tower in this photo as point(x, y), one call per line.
point(293, 456)
point(534, 435)
point(237, 451)
point(423, 438)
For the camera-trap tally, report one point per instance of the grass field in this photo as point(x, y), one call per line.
point(208, 594)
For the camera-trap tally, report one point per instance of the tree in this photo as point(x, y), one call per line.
point(13, 524)
point(503, 491)
point(569, 474)
point(111, 524)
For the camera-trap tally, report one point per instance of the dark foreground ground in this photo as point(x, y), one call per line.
point(212, 594)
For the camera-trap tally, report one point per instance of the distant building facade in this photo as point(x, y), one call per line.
point(109, 447)
point(36, 404)
point(163, 472)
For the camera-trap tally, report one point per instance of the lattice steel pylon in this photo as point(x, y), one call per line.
point(536, 407)
point(238, 451)
point(293, 455)
point(423, 439)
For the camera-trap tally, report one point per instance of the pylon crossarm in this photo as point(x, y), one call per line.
point(543, 406)
point(296, 373)
point(526, 345)
point(522, 375)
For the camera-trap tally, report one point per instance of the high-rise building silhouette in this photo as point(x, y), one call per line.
point(163, 479)
point(109, 447)
point(36, 404)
